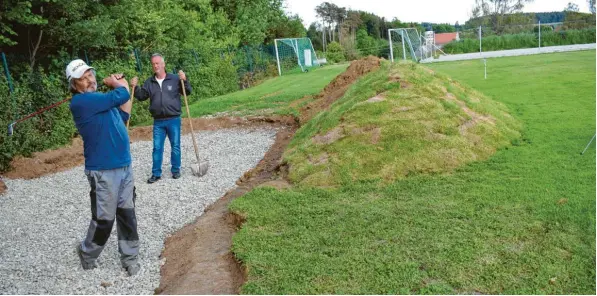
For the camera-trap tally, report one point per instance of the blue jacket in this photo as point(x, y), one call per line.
point(164, 101)
point(100, 122)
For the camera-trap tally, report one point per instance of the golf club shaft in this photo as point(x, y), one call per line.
point(10, 127)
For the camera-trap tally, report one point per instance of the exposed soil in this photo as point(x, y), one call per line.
point(2, 186)
point(338, 86)
point(198, 257)
point(376, 99)
point(475, 117)
point(330, 137)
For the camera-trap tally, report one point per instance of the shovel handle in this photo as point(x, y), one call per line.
point(186, 103)
point(132, 99)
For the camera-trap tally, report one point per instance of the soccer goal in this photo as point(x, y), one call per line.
point(294, 55)
point(407, 43)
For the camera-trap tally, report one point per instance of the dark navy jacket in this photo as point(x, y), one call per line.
point(165, 101)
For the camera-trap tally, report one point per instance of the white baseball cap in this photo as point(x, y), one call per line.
point(76, 69)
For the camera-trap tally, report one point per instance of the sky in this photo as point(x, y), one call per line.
point(433, 11)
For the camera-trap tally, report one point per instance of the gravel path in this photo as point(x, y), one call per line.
point(42, 220)
point(507, 53)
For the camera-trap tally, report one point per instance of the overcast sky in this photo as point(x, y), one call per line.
point(434, 11)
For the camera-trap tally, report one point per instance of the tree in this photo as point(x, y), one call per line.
point(395, 23)
point(497, 11)
point(253, 18)
point(571, 7)
point(352, 22)
point(371, 23)
point(578, 20)
point(314, 34)
point(339, 15)
point(327, 12)
point(287, 27)
point(591, 6)
point(13, 12)
point(442, 28)
point(335, 53)
point(365, 43)
point(53, 24)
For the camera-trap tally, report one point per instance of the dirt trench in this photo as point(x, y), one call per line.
point(198, 256)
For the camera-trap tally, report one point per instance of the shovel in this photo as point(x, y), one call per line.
point(200, 168)
point(132, 99)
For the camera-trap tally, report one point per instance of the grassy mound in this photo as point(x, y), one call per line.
point(400, 120)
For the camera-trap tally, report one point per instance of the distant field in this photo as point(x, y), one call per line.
point(281, 95)
point(521, 222)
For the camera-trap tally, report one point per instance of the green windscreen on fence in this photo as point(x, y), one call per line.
point(295, 55)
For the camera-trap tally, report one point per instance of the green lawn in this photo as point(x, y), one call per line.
point(281, 95)
point(521, 222)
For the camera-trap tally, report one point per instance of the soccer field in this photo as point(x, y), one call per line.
point(521, 222)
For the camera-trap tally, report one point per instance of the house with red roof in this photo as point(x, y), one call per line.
point(442, 39)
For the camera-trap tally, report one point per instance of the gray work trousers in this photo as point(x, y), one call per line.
point(112, 198)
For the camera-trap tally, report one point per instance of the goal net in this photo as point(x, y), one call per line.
point(295, 55)
point(406, 43)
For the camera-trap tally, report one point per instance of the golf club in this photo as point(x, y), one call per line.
point(11, 125)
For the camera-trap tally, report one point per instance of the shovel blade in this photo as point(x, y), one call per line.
point(200, 169)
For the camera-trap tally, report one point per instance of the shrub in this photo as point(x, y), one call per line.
point(335, 53)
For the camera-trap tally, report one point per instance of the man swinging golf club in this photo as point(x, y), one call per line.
point(164, 90)
point(100, 119)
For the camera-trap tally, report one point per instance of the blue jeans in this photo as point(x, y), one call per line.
point(161, 129)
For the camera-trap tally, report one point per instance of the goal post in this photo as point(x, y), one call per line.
point(295, 55)
point(406, 42)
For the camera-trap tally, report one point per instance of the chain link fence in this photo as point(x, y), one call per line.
point(525, 35)
point(23, 90)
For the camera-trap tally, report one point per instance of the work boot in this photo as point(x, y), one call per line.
point(86, 265)
point(175, 175)
point(153, 179)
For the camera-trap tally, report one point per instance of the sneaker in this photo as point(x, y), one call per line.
point(86, 265)
point(133, 269)
point(153, 179)
point(175, 175)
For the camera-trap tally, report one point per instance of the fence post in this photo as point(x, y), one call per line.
point(323, 38)
point(539, 34)
point(10, 86)
point(7, 73)
point(196, 57)
point(249, 60)
point(261, 59)
point(137, 60)
point(277, 57)
point(403, 45)
point(391, 47)
point(480, 41)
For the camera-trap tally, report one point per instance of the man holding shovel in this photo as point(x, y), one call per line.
point(164, 90)
point(100, 119)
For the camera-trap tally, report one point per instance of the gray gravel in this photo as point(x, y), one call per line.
point(42, 220)
point(509, 53)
